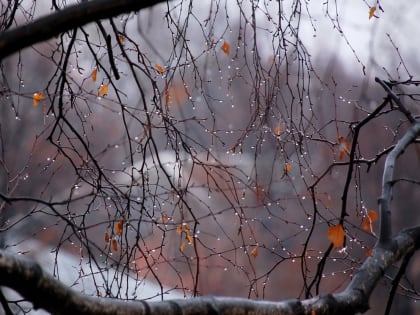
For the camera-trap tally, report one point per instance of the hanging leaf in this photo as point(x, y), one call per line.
point(37, 97)
point(107, 238)
point(336, 235)
point(371, 217)
point(179, 229)
point(114, 245)
point(372, 12)
point(254, 252)
point(343, 147)
point(369, 252)
point(182, 247)
point(121, 38)
point(287, 167)
point(119, 227)
point(226, 48)
point(277, 131)
point(159, 68)
point(103, 90)
point(164, 218)
point(93, 74)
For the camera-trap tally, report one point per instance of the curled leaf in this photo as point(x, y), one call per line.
point(159, 68)
point(372, 12)
point(103, 90)
point(254, 252)
point(37, 97)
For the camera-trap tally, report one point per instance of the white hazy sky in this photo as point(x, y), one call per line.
point(370, 38)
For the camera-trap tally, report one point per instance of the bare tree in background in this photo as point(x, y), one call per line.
point(197, 146)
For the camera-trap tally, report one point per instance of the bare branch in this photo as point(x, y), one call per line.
point(387, 182)
point(28, 279)
point(61, 21)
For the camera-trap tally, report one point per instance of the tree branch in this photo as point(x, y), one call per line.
point(61, 21)
point(44, 291)
point(388, 181)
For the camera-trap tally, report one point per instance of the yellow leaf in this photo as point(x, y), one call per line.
point(159, 68)
point(254, 252)
point(372, 12)
point(93, 74)
point(37, 97)
point(336, 235)
point(226, 48)
point(182, 247)
point(119, 227)
point(103, 90)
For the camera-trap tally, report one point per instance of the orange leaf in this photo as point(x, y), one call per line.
point(287, 167)
point(114, 245)
point(179, 229)
point(93, 74)
point(343, 147)
point(159, 68)
point(189, 238)
point(369, 252)
point(277, 131)
point(164, 218)
point(103, 90)
point(119, 227)
point(182, 247)
point(121, 38)
point(336, 235)
point(226, 48)
point(372, 12)
point(107, 237)
point(371, 217)
point(37, 97)
point(254, 252)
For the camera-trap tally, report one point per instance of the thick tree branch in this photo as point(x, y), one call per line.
point(61, 21)
point(44, 291)
point(388, 181)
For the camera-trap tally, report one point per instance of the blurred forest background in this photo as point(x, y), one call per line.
point(251, 118)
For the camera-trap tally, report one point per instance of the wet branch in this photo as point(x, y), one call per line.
point(44, 28)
